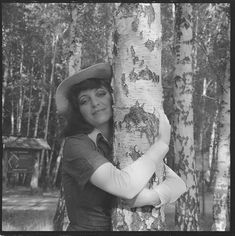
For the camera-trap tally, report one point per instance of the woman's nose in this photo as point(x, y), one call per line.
point(94, 102)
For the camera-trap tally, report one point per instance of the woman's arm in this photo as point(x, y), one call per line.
point(166, 192)
point(126, 183)
point(146, 197)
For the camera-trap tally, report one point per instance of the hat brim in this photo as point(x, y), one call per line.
point(98, 71)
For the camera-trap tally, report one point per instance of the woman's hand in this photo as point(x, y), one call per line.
point(146, 197)
point(164, 129)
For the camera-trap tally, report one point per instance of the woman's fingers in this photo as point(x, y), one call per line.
point(164, 128)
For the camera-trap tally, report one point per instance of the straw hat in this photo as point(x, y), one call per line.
point(98, 71)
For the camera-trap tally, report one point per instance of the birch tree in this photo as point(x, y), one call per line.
point(42, 94)
point(20, 104)
point(60, 220)
point(137, 101)
point(187, 206)
point(222, 179)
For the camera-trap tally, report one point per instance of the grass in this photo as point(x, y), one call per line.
point(28, 220)
point(42, 221)
point(33, 217)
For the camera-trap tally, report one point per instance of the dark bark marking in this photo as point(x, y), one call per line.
point(158, 43)
point(124, 85)
point(186, 60)
point(141, 63)
point(134, 58)
point(149, 11)
point(142, 121)
point(145, 74)
point(135, 24)
point(149, 45)
point(116, 37)
point(133, 76)
point(134, 153)
point(135, 224)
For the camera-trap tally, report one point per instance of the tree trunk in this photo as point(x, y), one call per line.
point(4, 169)
point(21, 96)
point(48, 166)
point(31, 77)
point(30, 102)
point(201, 146)
point(42, 102)
point(213, 149)
point(4, 86)
point(60, 220)
point(58, 162)
point(20, 108)
point(54, 49)
point(12, 113)
point(75, 45)
point(35, 175)
point(222, 181)
point(137, 101)
point(187, 206)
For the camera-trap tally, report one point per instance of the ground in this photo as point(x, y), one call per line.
point(22, 211)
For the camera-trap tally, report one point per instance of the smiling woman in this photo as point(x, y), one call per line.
point(95, 106)
point(90, 179)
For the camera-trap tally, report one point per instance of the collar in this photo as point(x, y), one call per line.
point(93, 135)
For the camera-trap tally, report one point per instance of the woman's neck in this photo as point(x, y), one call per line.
point(106, 131)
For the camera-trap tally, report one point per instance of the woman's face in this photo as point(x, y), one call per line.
point(96, 106)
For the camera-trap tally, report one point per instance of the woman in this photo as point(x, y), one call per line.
point(90, 179)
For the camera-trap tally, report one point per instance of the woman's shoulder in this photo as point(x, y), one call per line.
point(79, 136)
point(79, 139)
point(77, 147)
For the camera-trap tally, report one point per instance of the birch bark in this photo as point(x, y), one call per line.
point(222, 179)
point(187, 206)
point(137, 101)
point(61, 221)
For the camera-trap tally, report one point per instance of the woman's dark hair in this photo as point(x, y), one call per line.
point(74, 121)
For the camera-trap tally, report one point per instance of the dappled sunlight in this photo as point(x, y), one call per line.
point(28, 203)
point(26, 212)
point(27, 220)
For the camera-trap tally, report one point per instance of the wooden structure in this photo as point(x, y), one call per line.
point(21, 157)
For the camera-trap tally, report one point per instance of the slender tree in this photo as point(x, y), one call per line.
point(187, 207)
point(137, 101)
point(20, 104)
point(42, 94)
point(222, 179)
point(31, 76)
point(60, 220)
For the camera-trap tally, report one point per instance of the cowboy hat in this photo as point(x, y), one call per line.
point(98, 71)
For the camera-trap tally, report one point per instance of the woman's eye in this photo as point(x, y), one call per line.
point(83, 101)
point(101, 93)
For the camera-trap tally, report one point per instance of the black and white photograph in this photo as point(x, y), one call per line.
point(116, 116)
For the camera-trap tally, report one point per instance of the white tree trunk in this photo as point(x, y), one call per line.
point(21, 96)
point(75, 45)
point(137, 101)
point(187, 207)
point(42, 101)
point(12, 114)
point(60, 220)
point(35, 175)
point(222, 181)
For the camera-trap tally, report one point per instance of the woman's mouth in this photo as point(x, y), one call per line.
point(97, 111)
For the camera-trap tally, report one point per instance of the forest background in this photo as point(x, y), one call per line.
point(41, 40)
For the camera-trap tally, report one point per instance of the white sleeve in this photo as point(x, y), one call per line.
point(171, 188)
point(129, 181)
